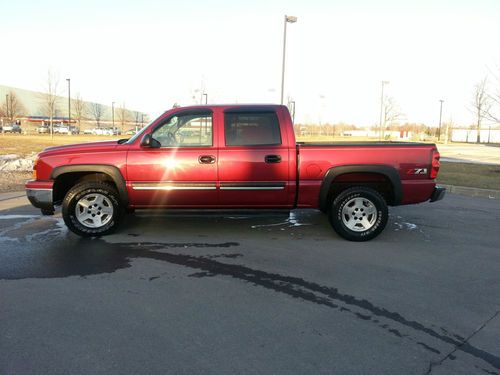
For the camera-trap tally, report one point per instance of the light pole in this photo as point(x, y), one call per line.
point(7, 106)
point(206, 98)
point(113, 115)
point(440, 116)
point(381, 108)
point(288, 19)
point(69, 102)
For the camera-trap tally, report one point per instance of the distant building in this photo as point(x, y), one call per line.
point(33, 115)
point(489, 135)
point(389, 134)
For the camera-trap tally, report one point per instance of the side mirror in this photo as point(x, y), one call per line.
point(150, 142)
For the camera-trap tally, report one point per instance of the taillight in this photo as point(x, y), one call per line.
point(34, 169)
point(435, 164)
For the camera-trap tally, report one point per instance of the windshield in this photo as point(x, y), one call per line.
point(138, 134)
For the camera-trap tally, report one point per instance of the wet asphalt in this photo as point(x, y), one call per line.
point(269, 294)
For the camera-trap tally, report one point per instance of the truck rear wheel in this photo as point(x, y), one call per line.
point(92, 209)
point(359, 214)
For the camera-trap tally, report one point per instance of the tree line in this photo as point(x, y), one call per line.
point(485, 105)
point(51, 103)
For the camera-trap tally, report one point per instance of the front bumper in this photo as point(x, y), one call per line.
point(40, 195)
point(438, 193)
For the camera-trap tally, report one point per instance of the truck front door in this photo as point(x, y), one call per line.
point(182, 172)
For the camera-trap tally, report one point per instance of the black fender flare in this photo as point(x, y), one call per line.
point(109, 170)
point(390, 172)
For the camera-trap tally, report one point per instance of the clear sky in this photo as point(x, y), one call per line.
point(150, 54)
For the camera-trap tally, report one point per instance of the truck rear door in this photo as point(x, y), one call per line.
point(253, 159)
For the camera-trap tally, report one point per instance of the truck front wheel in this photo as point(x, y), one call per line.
point(359, 214)
point(92, 209)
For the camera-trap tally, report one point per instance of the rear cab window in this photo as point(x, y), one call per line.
point(252, 128)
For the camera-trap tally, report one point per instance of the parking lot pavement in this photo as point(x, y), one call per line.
point(172, 293)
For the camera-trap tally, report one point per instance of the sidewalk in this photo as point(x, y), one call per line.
point(472, 192)
point(470, 153)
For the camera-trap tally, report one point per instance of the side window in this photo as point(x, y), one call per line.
point(251, 129)
point(185, 130)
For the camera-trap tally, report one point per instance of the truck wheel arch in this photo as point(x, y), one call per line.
point(388, 172)
point(108, 170)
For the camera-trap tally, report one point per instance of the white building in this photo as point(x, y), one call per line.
point(490, 135)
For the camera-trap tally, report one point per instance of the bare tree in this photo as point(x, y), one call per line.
point(494, 111)
point(49, 99)
point(481, 105)
point(449, 125)
point(12, 108)
point(391, 113)
point(96, 111)
point(137, 119)
point(79, 109)
point(123, 115)
point(494, 96)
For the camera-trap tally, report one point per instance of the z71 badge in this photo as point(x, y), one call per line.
point(417, 171)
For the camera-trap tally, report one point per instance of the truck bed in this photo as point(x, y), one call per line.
point(409, 162)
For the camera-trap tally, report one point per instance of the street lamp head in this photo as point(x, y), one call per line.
point(291, 19)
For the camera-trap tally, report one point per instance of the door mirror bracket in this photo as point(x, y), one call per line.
point(149, 142)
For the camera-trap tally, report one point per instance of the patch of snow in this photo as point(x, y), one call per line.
point(8, 157)
point(16, 163)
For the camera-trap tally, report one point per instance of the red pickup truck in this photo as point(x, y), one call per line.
point(232, 157)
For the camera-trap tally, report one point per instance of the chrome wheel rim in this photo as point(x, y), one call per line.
point(359, 214)
point(94, 210)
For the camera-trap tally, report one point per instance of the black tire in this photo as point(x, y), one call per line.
point(359, 214)
point(82, 194)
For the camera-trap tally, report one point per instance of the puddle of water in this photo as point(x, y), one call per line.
point(60, 230)
point(10, 234)
point(14, 217)
point(406, 226)
point(292, 221)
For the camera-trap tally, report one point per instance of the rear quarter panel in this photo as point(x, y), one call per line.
point(316, 160)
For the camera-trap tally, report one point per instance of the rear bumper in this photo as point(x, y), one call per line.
point(438, 194)
point(40, 194)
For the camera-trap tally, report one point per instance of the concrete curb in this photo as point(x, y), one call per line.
point(12, 195)
point(472, 192)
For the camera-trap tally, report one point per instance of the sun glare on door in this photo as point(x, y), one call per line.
point(171, 163)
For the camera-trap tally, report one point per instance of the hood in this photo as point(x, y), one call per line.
point(81, 147)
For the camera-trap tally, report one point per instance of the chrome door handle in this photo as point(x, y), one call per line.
point(206, 159)
point(272, 159)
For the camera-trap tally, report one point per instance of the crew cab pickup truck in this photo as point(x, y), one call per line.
point(232, 157)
